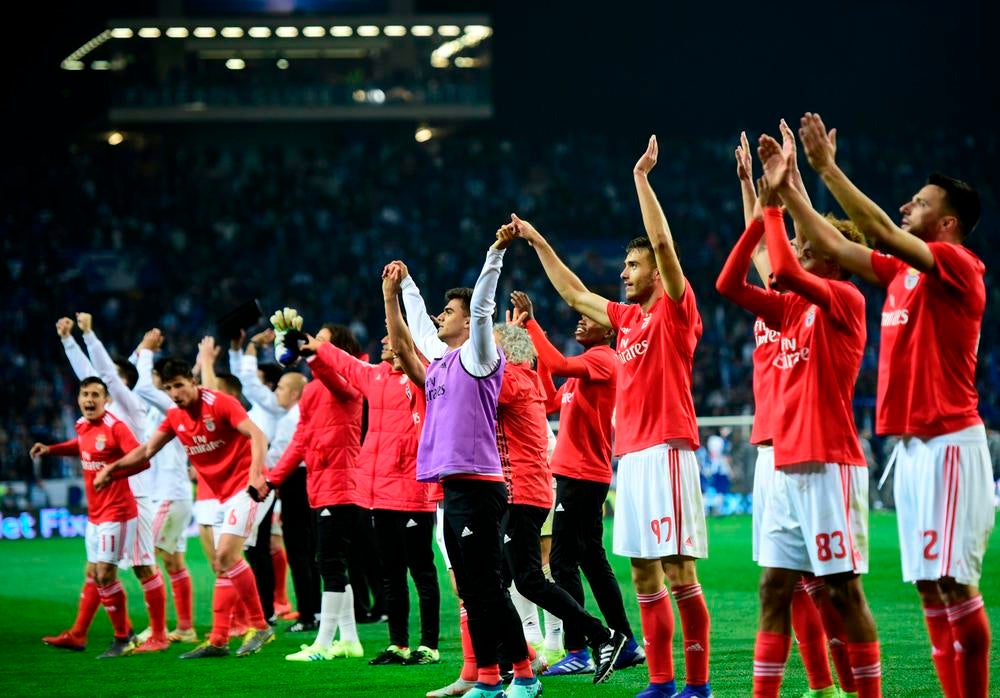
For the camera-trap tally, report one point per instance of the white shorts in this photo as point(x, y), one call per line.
point(816, 519)
point(943, 489)
point(439, 534)
point(240, 516)
point(108, 542)
point(658, 506)
point(206, 511)
point(170, 525)
point(276, 520)
point(142, 551)
point(762, 473)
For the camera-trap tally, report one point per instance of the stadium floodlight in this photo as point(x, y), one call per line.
point(282, 64)
point(232, 32)
point(341, 31)
point(72, 65)
point(204, 32)
point(259, 32)
point(467, 62)
point(115, 138)
point(368, 30)
point(236, 64)
point(121, 33)
point(358, 95)
point(149, 33)
point(423, 134)
point(314, 32)
point(394, 30)
point(438, 61)
point(449, 30)
point(422, 30)
point(100, 65)
point(287, 32)
point(177, 32)
point(479, 30)
point(376, 96)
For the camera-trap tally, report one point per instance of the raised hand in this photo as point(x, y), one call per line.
point(774, 160)
point(265, 337)
point(85, 321)
point(392, 278)
point(39, 450)
point(523, 305)
point(767, 198)
point(525, 230)
point(820, 146)
point(505, 235)
point(648, 160)
point(236, 343)
point(207, 351)
point(152, 340)
point(744, 159)
point(64, 327)
point(398, 263)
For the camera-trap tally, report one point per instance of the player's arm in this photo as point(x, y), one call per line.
point(253, 388)
point(732, 281)
point(335, 362)
point(295, 453)
point(422, 329)
point(78, 361)
point(258, 449)
point(334, 381)
point(207, 354)
point(135, 461)
point(874, 223)
point(552, 359)
point(144, 388)
point(657, 228)
point(479, 356)
point(129, 406)
point(70, 447)
point(399, 334)
point(751, 207)
point(563, 280)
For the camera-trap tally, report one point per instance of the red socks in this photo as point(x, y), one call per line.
point(970, 629)
point(469, 670)
point(90, 599)
point(113, 599)
point(811, 639)
point(223, 600)
point(522, 669)
point(695, 624)
point(280, 562)
point(867, 668)
point(658, 628)
point(155, 594)
point(180, 584)
point(770, 654)
point(245, 586)
point(833, 625)
point(942, 648)
point(489, 675)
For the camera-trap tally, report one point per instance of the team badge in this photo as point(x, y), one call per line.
point(912, 277)
point(100, 442)
point(209, 424)
point(810, 316)
point(402, 381)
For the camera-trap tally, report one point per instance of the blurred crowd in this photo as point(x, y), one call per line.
point(174, 234)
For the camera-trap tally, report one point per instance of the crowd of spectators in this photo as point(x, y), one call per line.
point(172, 233)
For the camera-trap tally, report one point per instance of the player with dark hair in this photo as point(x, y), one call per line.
point(931, 324)
point(228, 450)
point(111, 518)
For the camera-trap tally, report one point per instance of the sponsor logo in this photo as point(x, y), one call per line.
point(180, 427)
point(559, 507)
point(203, 445)
point(894, 318)
point(694, 647)
point(325, 512)
point(645, 322)
point(626, 355)
point(506, 538)
point(790, 354)
point(433, 390)
point(93, 464)
point(763, 334)
point(85, 455)
point(411, 523)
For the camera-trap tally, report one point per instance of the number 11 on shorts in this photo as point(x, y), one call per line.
point(662, 529)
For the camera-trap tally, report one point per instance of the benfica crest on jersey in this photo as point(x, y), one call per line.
point(810, 316)
point(912, 277)
point(100, 442)
point(209, 424)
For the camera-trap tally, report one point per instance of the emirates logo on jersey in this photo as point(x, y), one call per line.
point(100, 442)
point(85, 455)
point(912, 277)
point(209, 424)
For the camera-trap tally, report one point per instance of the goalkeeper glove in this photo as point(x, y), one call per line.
point(286, 349)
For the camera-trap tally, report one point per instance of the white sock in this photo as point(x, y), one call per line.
point(553, 625)
point(529, 616)
point(348, 627)
point(328, 613)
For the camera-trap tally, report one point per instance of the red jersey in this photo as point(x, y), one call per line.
point(930, 340)
point(767, 342)
point(655, 359)
point(522, 437)
point(207, 430)
point(98, 444)
point(585, 402)
point(815, 368)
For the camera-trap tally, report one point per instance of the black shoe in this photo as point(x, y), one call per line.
point(120, 647)
point(303, 626)
point(606, 654)
point(390, 655)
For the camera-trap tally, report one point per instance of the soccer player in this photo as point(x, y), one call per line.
point(400, 506)
point(172, 488)
point(660, 520)
point(118, 376)
point(458, 448)
point(581, 463)
point(228, 450)
point(816, 516)
point(111, 519)
point(927, 397)
point(811, 620)
point(328, 439)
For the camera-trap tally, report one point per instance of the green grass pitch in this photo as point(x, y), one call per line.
point(41, 581)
